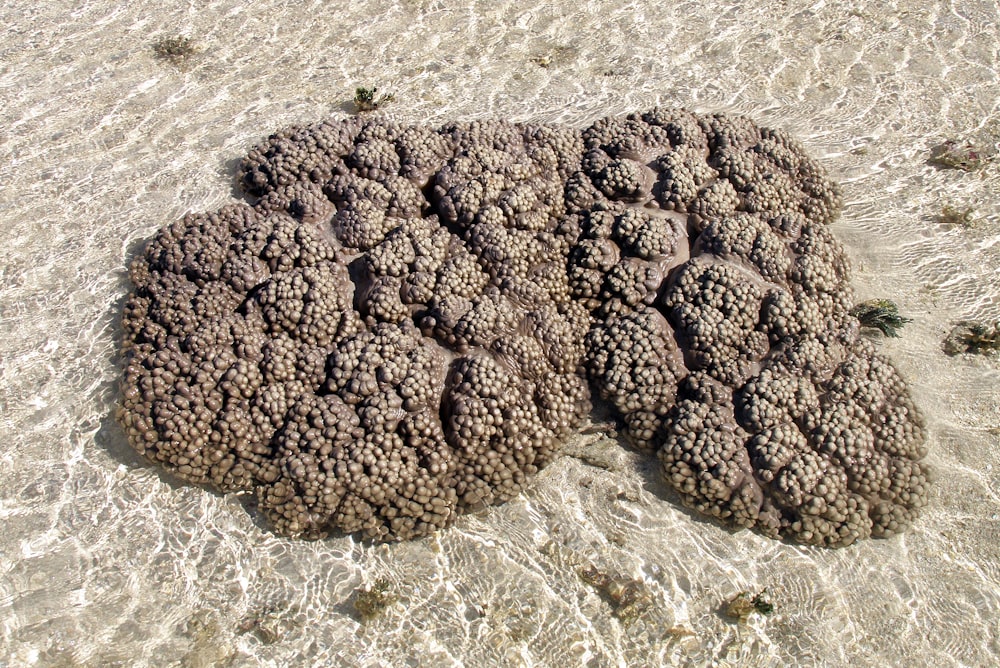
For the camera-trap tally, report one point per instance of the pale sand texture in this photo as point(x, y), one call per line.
point(104, 562)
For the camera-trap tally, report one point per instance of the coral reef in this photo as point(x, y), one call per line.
point(407, 324)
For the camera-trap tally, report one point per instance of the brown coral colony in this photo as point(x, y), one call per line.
point(409, 322)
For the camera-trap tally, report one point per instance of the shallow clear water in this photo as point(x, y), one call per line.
point(105, 562)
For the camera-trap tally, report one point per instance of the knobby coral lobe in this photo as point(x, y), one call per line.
point(409, 322)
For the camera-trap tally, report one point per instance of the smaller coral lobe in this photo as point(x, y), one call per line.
point(409, 323)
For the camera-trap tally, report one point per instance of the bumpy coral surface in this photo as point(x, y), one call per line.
point(408, 323)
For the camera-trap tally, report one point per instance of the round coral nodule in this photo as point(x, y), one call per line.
point(409, 323)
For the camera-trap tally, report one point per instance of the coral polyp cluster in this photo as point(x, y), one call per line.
point(408, 323)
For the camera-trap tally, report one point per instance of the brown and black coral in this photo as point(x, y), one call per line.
point(408, 324)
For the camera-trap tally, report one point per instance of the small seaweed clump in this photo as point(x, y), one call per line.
point(969, 336)
point(370, 602)
point(175, 50)
point(880, 314)
point(269, 623)
point(627, 597)
point(965, 155)
point(367, 99)
point(745, 604)
point(957, 215)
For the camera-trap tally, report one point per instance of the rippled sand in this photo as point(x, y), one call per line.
point(105, 562)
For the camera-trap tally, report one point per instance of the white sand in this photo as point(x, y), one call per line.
point(105, 562)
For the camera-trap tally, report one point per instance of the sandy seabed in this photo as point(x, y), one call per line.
point(103, 561)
